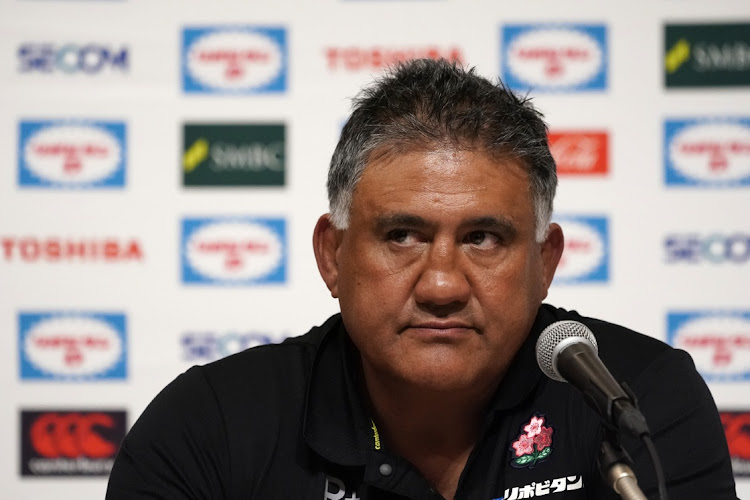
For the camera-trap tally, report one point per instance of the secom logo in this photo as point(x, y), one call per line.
point(234, 59)
point(71, 154)
point(707, 152)
point(72, 346)
point(72, 58)
point(233, 251)
point(566, 57)
point(585, 258)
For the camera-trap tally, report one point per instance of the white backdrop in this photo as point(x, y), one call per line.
point(115, 276)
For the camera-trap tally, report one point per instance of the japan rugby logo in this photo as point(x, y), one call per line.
point(718, 341)
point(234, 59)
point(72, 154)
point(560, 57)
point(72, 346)
point(585, 257)
point(234, 251)
point(707, 152)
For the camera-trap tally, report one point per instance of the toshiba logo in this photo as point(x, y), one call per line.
point(53, 249)
point(354, 59)
point(70, 443)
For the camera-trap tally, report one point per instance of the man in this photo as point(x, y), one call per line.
point(440, 251)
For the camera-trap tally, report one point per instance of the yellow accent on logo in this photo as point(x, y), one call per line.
point(677, 55)
point(195, 155)
point(375, 435)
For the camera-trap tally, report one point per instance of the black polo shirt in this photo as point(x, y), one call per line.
point(289, 421)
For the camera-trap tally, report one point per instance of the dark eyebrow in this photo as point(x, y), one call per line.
point(490, 223)
point(498, 224)
point(389, 221)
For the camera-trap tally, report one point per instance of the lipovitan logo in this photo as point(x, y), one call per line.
point(718, 341)
point(585, 258)
point(556, 57)
point(234, 250)
point(72, 346)
point(71, 154)
point(707, 152)
point(234, 59)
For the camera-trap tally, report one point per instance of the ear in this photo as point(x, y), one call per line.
point(325, 245)
point(552, 250)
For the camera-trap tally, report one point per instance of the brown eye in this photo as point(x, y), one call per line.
point(482, 239)
point(398, 235)
point(476, 237)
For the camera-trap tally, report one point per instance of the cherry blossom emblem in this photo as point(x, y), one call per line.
point(535, 445)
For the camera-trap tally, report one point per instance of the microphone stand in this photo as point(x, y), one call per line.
point(614, 464)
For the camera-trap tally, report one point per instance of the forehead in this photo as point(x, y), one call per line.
point(444, 180)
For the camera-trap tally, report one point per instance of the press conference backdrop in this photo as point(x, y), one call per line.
point(164, 162)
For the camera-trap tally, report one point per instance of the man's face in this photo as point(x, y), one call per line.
point(438, 275)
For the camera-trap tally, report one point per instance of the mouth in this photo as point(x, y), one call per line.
point(440, 328)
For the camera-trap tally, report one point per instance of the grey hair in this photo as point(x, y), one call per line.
point(427, 103)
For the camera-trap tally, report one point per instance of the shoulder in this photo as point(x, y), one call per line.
point(626, 353)
point(226, 417)
point(272, 372)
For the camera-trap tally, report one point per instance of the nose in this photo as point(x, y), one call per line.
point(443, 280)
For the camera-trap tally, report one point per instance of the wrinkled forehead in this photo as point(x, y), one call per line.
point(388, 153)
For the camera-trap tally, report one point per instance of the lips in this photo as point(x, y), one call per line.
point(443, 325)
point(441, 331)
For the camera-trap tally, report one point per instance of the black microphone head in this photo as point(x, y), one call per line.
point(557, 337)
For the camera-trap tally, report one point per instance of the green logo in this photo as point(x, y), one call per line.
point(233, 155)
point(707, 55)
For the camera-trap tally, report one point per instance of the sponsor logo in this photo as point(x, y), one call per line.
point(70, 442)
point(233, 155)
point(585, 257)
point(72, 58)
point(336, 489)
point(234, 251)
point(718, 341)
point(714, 248)
point(237, 59)
point(54, 249)
point(542, 488)
point(72, 346)
point(533, 445)
point(210, 346)
point(737, 429)
point(354, 59)
point(564, 57)
point(706, 55)
point(707, 152)
point(580, 153)
point(86, 154)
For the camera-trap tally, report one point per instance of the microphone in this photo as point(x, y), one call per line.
point(566, 351)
